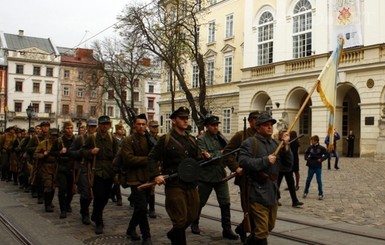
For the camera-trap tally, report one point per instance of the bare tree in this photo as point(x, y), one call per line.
point(171, 32)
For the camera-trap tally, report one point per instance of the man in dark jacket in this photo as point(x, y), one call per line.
point(258, 158)
point(135, 149)
point(211, 144)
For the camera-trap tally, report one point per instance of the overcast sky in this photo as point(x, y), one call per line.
point(67, 22)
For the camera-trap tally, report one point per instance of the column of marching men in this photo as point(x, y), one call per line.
point(96, 163)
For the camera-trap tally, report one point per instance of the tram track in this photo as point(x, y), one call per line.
point(297, 230)
point(16, 235)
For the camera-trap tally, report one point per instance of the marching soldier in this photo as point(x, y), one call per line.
point(182, 197)
point(26, 165)
point(116, 194)
point(100, 149)
point(6, 144)
point(65, 168)
point(154, 130)
point(14, 159)
point(83, 176)
point(211, 144)
point(36, 180)
point(48, 167)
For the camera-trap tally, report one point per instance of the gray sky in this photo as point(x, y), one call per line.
point(67, 22)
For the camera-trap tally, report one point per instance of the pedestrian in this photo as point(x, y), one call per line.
point(351, 137)
point(333, 150)
point(99, 150)
point(182, 197)
point(211, 143)
point(240, 178)
point(83, 177)
point(294, 146)
point(135, 150)
point(286, 171)
point(65, 168)
point(116, 193)
point(257, 157)
point(48, 167)
point(314, 157)
point(37, 187)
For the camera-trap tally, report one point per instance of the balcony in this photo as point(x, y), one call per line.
point(11, 115)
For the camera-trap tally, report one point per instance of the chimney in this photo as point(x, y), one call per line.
point(21, 33)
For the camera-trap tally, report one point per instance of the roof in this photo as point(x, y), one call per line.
point(20, 42)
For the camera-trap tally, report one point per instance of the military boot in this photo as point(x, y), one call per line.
point(84, 211)
point(48, 202)
point(226, 223)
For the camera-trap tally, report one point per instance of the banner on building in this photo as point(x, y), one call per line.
point(345, 22)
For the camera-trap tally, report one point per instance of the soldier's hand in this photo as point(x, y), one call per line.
point(239, 171)
point(95, 151)
point(46, 153)
point(63, 150)
point(272, 158)
point(160, 180)
point(206, 155)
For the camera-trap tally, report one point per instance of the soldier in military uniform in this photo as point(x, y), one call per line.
point(65, 168)
point(14, 158)
point(154, 130)
point(6, 144)
point(211, 144)
point(83, 177)
point(100, 149)
point(25, 160)
point(48, 167)
point(116, 194)
point(135, 150)
point(37, 187)
point(182, 197)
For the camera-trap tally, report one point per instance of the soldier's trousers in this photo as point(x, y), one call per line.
point(101, 190)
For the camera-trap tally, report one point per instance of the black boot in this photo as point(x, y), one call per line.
point(48, 202)
point(195, 227)
point(241, 232)
point(177, 236)
point(226, 223)
point(151, 206)
point(84, 211)
point(63, 205)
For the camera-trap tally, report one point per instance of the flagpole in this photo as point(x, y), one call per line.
point(298, 115)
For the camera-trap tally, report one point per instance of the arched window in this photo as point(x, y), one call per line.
point(302, 27)
point(265, 38)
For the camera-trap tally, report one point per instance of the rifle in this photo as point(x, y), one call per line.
point(232, 175)
point(200, 163)
point(91, 171)
point(244, 187)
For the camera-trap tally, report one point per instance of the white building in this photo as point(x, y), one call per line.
point(33, 71)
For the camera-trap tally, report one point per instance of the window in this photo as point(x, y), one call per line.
point(48, 108)
point(168, 82)
point(93, 94)
point(19, 69)
point(80, 92)
point(110, 94)
point(35, 107)
point(211, 37)
point(265, 38)
point(80, 75)
point(19, 86)
point(228, 68)
point(36, 88)
point(167, 122)
point(195, 76)
point(212, 2)
point(79, 111)
point(124, 95)
point(229, 26)
point(304, 121)
point(210, 73)
point(66, 73)
point(302, 27)
point(18, 106)
point(150, 103)
point(65, 110)
point(49, 72)
point(226, 121)
point(93, 111)
point(136, 96)
point(151, 88)
point(110, 111)
point(48, 88)
point(66, 91)
point(36, 70)
point(136, 83)
point(194, 128)
point(345, 118)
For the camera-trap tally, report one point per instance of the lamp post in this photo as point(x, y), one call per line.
point(29, 114)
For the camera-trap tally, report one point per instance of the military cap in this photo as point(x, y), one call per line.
point(211, 120)
point(180, 112)
point(18, 130)
point(54, 131)
point(10, 128)
point(45, 123)
point(92, 122)
point(254, 114)
point(104, 119)
point(31, 130)
point(265, 117)
point(153, 123)
point(141, 116)
point(67, 124)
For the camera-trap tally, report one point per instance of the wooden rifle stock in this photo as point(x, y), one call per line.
point(152, 183)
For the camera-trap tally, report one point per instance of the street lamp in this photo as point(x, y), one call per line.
point(29, 114)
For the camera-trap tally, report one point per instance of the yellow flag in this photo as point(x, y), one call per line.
point(327, 88)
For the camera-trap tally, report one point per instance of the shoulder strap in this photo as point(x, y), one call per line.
point(255, 146)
